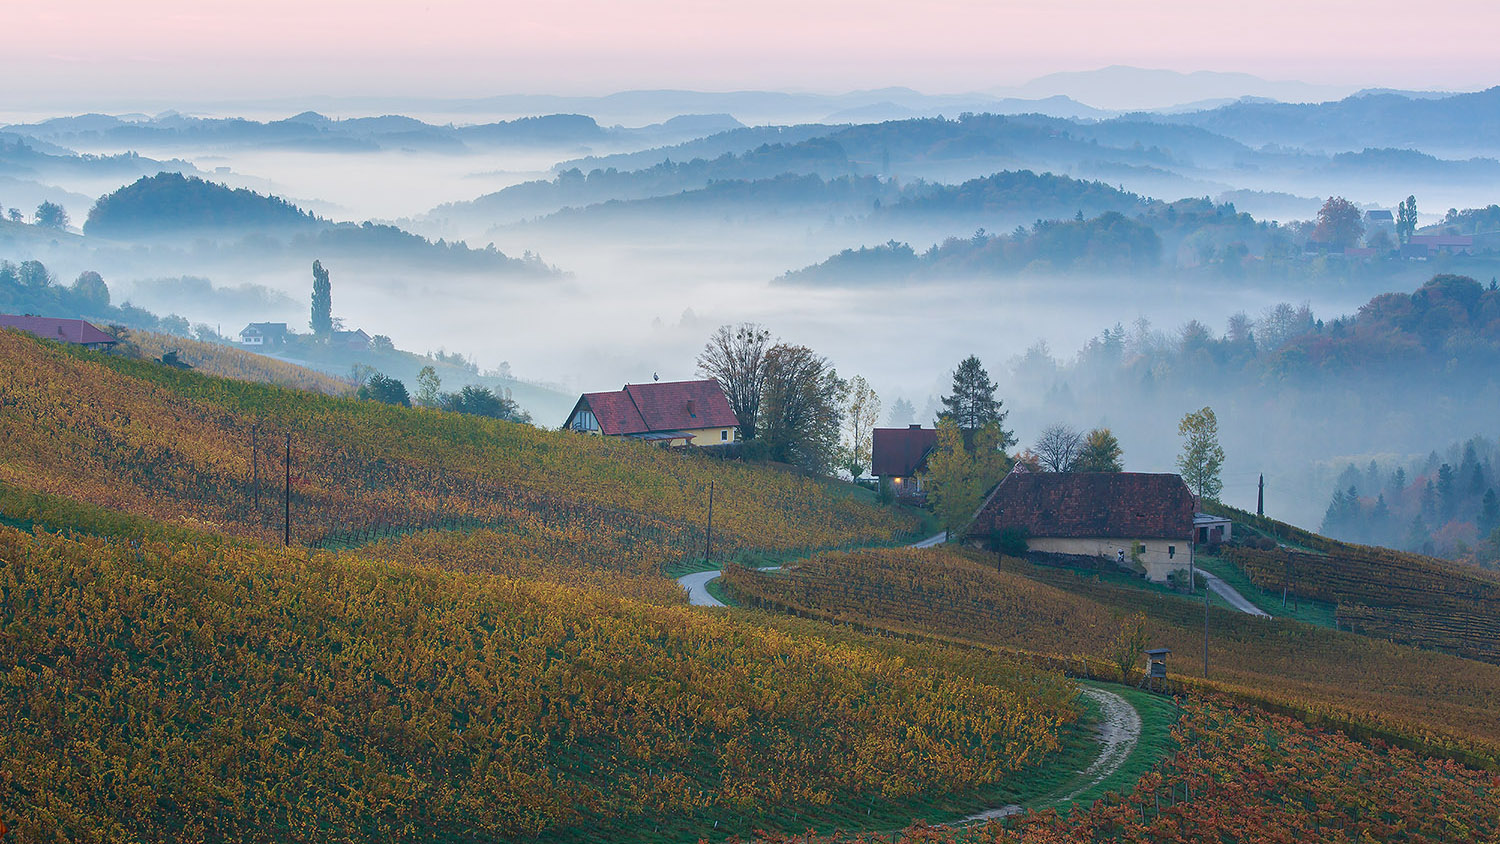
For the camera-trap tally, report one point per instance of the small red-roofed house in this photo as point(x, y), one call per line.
point(900, 456)
point(75, 331)
point(669, 413)
point(1148, 517)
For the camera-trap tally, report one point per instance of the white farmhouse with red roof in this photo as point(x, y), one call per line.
point(669, 413)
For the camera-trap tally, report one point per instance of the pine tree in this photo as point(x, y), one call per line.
point(973, 403)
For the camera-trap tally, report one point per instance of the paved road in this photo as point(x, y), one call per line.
point(696, 583)
point(1230, 594)
point(1119, 732)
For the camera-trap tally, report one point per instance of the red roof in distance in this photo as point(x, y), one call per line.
point(52, 328)
point(1087, 505)
point(901, 452)
point(660, 406)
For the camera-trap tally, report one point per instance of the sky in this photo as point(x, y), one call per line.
point(109, 53)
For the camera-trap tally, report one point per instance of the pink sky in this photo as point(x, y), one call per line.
point(161, 49)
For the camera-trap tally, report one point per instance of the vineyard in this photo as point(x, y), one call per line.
point(181, 447)
point(1431, 699)
point(228, 362)
point(1246, 776)
point(173, 691)
point(1407, 598)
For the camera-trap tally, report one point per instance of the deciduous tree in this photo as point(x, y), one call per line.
point(1406, 219)
point(1339, 223)
point(383, 388)
point(429, 387)
point(1202, 457)
point(50, 215)
point(801, 409)
point(1101, 453)
point(861, 415)
point(1058, 448)
point(735, 356)
point(90, 287)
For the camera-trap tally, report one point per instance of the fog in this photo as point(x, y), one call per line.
point(632, 290)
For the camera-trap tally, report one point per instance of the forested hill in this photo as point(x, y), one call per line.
point(173, 202)
point(1046, 196)
point(170, 206)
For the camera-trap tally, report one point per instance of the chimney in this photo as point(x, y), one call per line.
point(916, 427)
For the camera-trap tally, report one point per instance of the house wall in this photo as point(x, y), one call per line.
point(1158, 558)
point(704, 437)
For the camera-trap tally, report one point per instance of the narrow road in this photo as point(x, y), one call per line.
point(1119, 732)
point(696, 583)
point(1230, 594)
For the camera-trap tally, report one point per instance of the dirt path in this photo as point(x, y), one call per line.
point(1232, 595)
point(696, 583)
point(1119, 732)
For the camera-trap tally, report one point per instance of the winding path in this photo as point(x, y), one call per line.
point(1230, 594)
point(696, 583)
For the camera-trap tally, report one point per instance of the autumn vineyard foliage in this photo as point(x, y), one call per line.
point(178, 447)
point(470, 638)
point(1429, 699)
point(1406, 597)
point(1250, 777)
point(168, 691)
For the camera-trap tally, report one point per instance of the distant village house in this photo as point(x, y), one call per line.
point(1148, 519)
point(899, 455)
point(669, 413)
point(264, 334)
point(75, 331)
point(356, 339)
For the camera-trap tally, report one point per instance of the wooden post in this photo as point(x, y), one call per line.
point(286, 538)
point(255, 466)
point(1205, 630)
point(708, 542)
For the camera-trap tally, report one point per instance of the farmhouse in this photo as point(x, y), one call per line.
point(263, 334)
point(900, 455)
point(1095, 515)
point(669, 413)
point(75, 331)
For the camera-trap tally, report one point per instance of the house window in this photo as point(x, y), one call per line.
point(723, 436)
point(585, 421)
point(1143, 547)
point(1171, 551)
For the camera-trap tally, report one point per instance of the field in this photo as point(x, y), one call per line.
point(1404, 597)
point(1246, 776)
point(1429, 699)
point(180, 447)
point(219, 691)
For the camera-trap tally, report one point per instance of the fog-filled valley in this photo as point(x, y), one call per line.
point(1110, 268)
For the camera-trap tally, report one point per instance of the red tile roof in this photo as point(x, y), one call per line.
point(1078, 505)
point(901, 452)
point(660, 406)
point(52, 328)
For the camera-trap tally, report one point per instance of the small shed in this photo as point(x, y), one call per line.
point(1156, 663)
point(1211, 530)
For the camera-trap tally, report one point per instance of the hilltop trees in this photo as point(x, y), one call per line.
point(973, 404)
point(383, 388)
point(1101, 453)
point(800, 410)
point(1058, 448)
point(1339, 223)
point(50, 215)
point(1202, 457)
point(957, 476)
point(1406, 219)
point(429, 387)
point(736, 358)
point(861, 415)
point(322, 302)
point(90, 288)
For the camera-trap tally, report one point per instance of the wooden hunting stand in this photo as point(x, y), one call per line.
point(1156, 667)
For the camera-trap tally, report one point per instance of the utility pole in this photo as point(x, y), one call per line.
point(1205, 629)
point(255, 467)
point(286, 538)
point(708, 542)
point(1260, 496)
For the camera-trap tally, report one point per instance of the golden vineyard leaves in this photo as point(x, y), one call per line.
point(1432, 699)
point(176, 446)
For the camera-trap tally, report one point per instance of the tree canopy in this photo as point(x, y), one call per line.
point(1202, 457)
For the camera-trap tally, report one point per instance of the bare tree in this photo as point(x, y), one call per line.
point(1058, 448)
point(735, 356)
